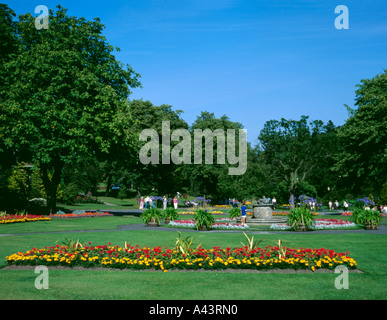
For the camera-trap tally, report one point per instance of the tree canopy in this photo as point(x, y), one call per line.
point(65, 107)
point(363, 161)
point(64, 91)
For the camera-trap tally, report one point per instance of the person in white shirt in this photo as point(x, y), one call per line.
point(345, 204)
point(274, 201)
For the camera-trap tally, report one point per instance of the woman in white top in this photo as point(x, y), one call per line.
point(164, 202)
point(345, 204)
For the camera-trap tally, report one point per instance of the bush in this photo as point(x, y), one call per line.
point(70, 192)
point(151, 215)
point(170, 213)
point(300, 216)
point(361, 216)
point(235, 213)
point(37, 206)
point(203, 218)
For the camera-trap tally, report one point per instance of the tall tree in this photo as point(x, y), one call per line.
point(363, 162)
point(293, 148)
point(65, 95)
point(162, 178)
point(8, 33)
point(205, 178)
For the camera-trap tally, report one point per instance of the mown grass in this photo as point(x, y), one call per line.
point(368, 249)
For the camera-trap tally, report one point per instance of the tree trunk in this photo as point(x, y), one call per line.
point(51, 184)
point(291, 203)
point(108, 183)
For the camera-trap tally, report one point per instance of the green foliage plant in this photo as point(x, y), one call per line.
point(300, 217)
point(251, 244)
point(170, 214)
point(151, 215)
point(366, 217)
point(203, 218)
point(72, 245)
point(184, 244)
point(235, 213)
point(18, 181)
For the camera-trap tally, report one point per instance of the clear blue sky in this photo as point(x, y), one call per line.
point(251, 60)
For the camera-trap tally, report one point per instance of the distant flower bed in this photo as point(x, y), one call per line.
point(79, 214)
point(22, 218)
point(217, 212)
point(220, 223)
point(142, 258)
point(319, 224)
point(284, 213)
point(86, 199)
point(193, 212)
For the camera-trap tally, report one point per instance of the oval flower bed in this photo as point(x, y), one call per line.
point(286, 213)
point(193, 212)
point(136, 258)
point(22, 218)
point(220, 223)
point(79, 215)
point(319, 224)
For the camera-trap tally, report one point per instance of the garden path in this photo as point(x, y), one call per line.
point(163, 227)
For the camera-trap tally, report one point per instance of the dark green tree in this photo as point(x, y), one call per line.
point(208, 179)
point(293, 148)
point(64, 96)
point(158, 179)
point(363, 161)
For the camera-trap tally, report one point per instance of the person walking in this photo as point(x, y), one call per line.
point(243, 213)
point(345, 204)
point(175, 202)
point(147, 200)
point(164, 202)
point(330, 205)
point(274, 202)
point(141, 203)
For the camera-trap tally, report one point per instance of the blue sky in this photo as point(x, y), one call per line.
point(251, 60)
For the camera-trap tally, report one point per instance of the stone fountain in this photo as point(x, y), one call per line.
point(263, 214)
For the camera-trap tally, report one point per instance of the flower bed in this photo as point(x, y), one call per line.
point(286, 213)
point(25, 218)
point(79, 215)
point(319, 224)
point(193, 212)
point(220, 223)
point(136, 258)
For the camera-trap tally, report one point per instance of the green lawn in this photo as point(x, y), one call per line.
point(369, 250)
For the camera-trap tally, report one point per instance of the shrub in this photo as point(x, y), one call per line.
point(300, 216)
point(70, 191)
point(203, 218)
point(371, 217)
point(170, 213)
point(235, 213)
point(151, 215)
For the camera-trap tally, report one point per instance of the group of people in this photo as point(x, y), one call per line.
point(148, 203)
point(334, 205)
